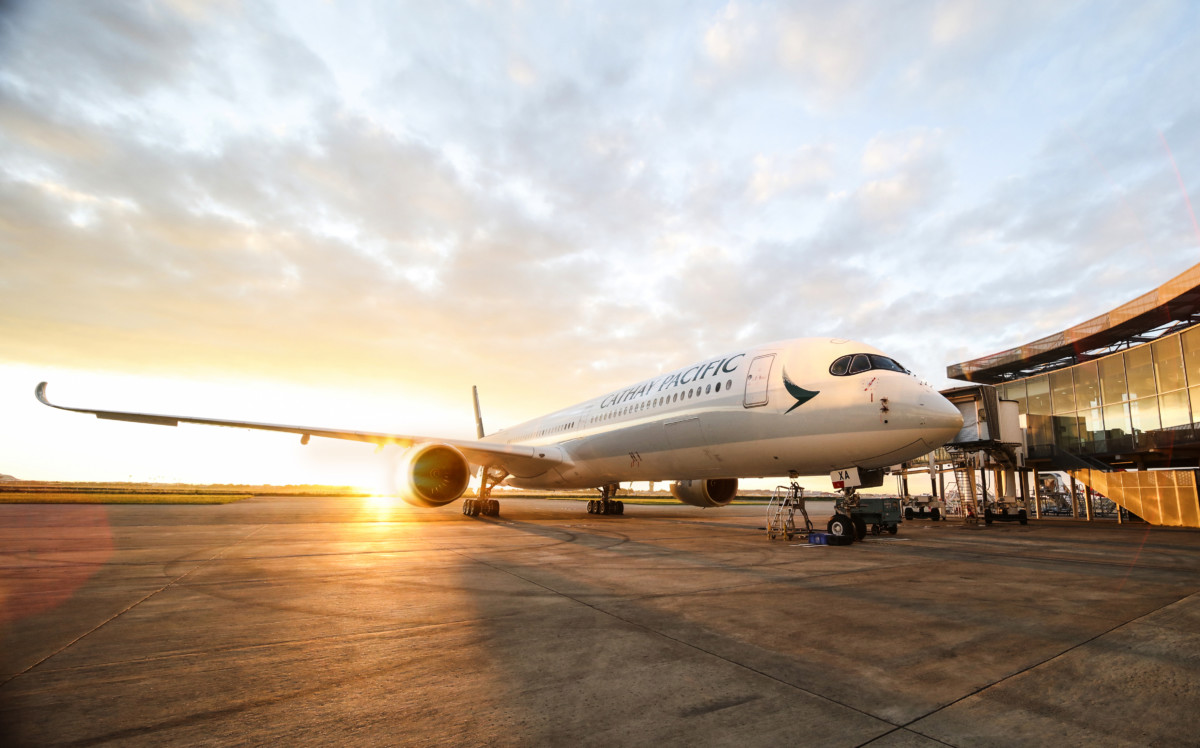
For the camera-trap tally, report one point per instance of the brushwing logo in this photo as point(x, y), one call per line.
point(802, 395)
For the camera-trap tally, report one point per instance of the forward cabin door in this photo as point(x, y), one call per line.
point(757, 381)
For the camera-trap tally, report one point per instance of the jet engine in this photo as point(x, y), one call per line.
point(432, 475)
point(705, 493)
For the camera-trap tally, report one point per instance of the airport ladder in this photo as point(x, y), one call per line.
point(781, 512)
point(964, 480)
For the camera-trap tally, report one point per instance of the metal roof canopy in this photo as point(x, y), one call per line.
point(1168, 308)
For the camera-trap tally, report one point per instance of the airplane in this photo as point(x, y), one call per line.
point(806, 406)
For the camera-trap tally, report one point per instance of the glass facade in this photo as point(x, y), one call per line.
point(1143, 397)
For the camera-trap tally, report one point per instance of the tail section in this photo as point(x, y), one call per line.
point(478, 418)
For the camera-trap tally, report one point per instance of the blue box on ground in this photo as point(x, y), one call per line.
point(816, 537)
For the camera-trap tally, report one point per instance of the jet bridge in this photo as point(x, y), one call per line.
point(990, 442)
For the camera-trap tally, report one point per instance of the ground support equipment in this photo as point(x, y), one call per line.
point(882, 514)
point(781, 512)
point(1003, 515)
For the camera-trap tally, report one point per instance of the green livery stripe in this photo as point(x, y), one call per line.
point(802, 395)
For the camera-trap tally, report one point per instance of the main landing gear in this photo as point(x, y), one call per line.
point(485, 504)
point(606, 504)
point(486, 507)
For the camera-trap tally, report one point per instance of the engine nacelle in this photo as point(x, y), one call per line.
point(432, 475)
point(705, 493)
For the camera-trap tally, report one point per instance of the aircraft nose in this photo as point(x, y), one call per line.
point(942, 420)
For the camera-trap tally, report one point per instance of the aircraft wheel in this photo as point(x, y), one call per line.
point(591, 506)
point(860, 527)
point(620, 507)
point(841, 526)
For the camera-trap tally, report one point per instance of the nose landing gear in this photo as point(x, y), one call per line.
point(845, 523)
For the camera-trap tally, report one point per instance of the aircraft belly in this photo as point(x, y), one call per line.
point(691, 448)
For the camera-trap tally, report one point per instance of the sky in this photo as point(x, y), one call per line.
point(346, 214)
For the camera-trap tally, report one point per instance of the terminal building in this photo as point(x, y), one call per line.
point(1113, 403)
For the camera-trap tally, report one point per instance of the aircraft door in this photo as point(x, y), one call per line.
point(757, 381)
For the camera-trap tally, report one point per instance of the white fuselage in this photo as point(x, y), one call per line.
point(735, 416)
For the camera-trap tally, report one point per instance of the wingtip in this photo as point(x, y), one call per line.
point(40, 392)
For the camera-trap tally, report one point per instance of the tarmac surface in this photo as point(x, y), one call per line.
point(307, 621)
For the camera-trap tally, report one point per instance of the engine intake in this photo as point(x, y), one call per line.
point(705, 493)
point(432, 475)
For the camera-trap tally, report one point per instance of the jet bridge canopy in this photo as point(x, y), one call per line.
point(1168, 308)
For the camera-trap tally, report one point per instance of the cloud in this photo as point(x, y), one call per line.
point(507, 191)
point(808, 170)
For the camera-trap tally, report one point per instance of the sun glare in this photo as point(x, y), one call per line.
point(383, 508)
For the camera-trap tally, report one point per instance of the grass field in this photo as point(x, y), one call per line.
point(38, 492)
point(65, 497)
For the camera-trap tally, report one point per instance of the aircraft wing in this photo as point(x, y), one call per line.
point(517, 459)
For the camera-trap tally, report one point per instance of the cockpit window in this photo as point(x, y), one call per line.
point(857, 363)
point(883, 362)
point(860, 364)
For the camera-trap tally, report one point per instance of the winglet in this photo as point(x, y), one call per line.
point(111, 415)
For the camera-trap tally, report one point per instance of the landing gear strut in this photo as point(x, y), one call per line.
point(606, 504)
point(843, 523)
point(485, 504)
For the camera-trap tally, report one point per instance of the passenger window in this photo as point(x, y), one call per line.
point(718, 386)
point(707, 389)
point(860, 364)
point(729, 385)
point(841, 366)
